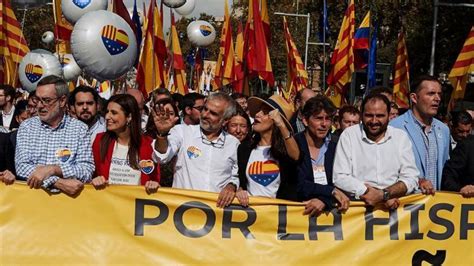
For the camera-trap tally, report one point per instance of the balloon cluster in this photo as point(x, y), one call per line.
point(102, 43)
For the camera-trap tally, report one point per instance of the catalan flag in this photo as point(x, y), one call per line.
point(62, 30)
point(361, 43)
point(225, 62)
point(342, 60)
point(401, 81)
point(13, 46)
point(297, 78)
point(179, 74)
point(258, 55)
point(463, 67)
point(151, 73)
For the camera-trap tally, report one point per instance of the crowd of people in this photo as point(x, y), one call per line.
point(237, 146)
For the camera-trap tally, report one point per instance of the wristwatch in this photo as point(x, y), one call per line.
point(386, 194)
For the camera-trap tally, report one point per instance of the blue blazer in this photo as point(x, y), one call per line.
point(306, 188)
point(441, 131)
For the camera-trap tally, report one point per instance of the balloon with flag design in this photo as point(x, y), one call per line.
point(201, 33)
point(36, 65)
point(73, 10)
point(103, 45)
point(187, 8)
point(70, 68)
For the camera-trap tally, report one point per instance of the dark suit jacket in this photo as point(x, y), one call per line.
point(7, 152)
point(306, 188)
point(13, 124)
point(287, 189)
point(459, 169)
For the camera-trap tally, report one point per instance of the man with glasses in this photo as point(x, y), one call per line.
point(206, 154)
point(7, 95)
point(53, 150)
point(191, 106)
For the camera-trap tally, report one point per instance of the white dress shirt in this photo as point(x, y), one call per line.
point(360, 160)
point(201, 164)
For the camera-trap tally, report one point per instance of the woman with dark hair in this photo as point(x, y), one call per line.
point(121, 154)
point(239, 125)
point(266, 162)
point(168, 107)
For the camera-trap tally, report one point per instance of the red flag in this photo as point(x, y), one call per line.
point(179, 76)
point(225, 63)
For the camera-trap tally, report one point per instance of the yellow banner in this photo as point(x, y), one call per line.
point(124, 225)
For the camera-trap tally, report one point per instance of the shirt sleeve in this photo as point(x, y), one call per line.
point(175, 140)
point(342, 173)
point(24, 164)
point(409, 173)
point(234, 178)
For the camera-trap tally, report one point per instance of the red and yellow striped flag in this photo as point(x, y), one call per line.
point(179, 76)
point(266, 22)
point(225, 62)
point(401, 81)
point(342, 60)
point(62, 30)
point(151, 73)
point(240, 77)
point(297, 78)
point(463, 67)
point(13, 46)
point(258, 55)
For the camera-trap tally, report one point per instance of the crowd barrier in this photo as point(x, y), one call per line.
point(124, 225)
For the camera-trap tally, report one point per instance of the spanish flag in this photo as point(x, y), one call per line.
point(342, 60)
point(463, 67)
point(239, 83)
point(225, 62)
point(151, 73)
point(13, 46)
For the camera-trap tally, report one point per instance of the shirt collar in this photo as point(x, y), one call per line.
point(12, 110)
point(61, 124)
point(420, 124)
point(200, 135)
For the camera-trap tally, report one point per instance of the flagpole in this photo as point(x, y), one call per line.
point(324, 45)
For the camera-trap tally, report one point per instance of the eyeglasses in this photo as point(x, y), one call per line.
point(45, 101)
point(199, 108)
point(219, 144)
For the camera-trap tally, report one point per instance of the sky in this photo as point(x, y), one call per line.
point(212, 7)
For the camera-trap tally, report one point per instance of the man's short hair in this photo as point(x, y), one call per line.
point(381, 89)
point(416, 85)
point(190, 99)
point(348, 109)
point(84, 89)
point(461, 117)
point(8, 91)
point(298, 95)
point(160, 91)
point(59, 85)
point(375, 96)
point(317, 104)
point(238, 95)
point(231, 107)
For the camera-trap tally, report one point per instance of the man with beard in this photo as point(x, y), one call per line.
point(206, 154)
point(374, 161)
point(429, 136)
point(53, 150)
point(7, 108)
point(86, 101)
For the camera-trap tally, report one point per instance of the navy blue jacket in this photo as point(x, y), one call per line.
point(306, 188)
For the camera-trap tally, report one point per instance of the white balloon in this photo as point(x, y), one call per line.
point(187, 8)
point(36, 65)
point(103, 45)
point(70, 68)
point(174, 3)
point(201, 33)
point(48, 37)
point(74, 9)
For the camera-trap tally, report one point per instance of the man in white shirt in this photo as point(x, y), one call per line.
point(7, 95)
point(206, 155)
point(374, 161)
